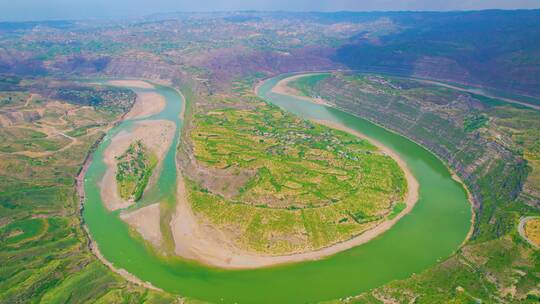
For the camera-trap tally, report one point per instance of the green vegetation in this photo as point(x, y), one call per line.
point(396, 210)
point(44, 255)
point(80, 131)
point(522, 127)
point(305, 84)
point(496, 271)
point(494, 144)
point(311, 186)
point(114, 99)
point(23, 139)
point(23, 231)
point(244, 86)
point(475, 122)
point(134, 167)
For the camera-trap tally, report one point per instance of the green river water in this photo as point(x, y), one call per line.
point(432, 231)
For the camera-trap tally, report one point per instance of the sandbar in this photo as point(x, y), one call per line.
point(157, 135)
point(145, 221)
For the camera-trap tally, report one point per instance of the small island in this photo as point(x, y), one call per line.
point(135, 167)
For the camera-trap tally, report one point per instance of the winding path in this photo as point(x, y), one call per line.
point(521, 230)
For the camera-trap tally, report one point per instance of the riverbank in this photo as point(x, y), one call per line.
point(147, 103)
point(352, 271)
point(131, 83)
point(146, 221)
point(157, 135)
point(521, 230)
point(282, 87)
point(198, 241)
point(79, 186)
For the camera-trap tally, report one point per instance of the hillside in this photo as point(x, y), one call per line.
point(493, 145)
point(270, 182)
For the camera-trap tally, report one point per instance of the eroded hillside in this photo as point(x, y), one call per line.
point(493, 145)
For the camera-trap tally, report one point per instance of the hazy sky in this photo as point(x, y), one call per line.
point(77, 9)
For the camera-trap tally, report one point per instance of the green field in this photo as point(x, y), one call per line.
point(44, 255)
point(311, 186)
point(498, 143)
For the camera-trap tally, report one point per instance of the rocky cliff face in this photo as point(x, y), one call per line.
point(494, 173)
point(229, 64)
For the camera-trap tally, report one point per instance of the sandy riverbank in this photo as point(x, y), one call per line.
point(283, 88)
point(145, 221)
point(198, 241)
point(92, 244)
point(139, 84)
point(521, 230)
point(195, 240)
point(157, 135)
point(147, 104)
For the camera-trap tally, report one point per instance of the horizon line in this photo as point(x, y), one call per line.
point(142, 16)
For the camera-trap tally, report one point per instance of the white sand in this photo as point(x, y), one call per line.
point(283, 88)
point(146, 222)
point(157, 135)
point(131, 83)
point(147, 104)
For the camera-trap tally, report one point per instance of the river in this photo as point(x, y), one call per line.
point(432, 231)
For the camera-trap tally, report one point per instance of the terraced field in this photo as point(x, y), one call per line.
point(493, 145)
point(422, 109)
point(310, 186)
point(43, 248)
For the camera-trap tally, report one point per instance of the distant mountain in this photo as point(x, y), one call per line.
point(12, 26)
point(499, 49)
